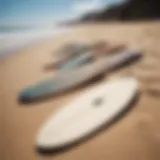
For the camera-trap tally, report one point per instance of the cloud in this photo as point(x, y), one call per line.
point(87, 6)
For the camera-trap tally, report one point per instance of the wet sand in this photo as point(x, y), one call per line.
point(135, 136)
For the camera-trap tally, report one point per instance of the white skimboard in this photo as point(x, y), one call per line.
point(86, 114)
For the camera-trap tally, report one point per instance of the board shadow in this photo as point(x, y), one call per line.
point(68, 147)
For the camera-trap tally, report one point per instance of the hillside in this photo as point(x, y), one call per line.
point(129, 10)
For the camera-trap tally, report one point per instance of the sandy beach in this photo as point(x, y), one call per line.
point(136, 136)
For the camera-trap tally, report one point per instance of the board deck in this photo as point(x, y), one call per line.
point(64, 81)
point(86, 114)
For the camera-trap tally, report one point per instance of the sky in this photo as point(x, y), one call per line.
point(47, 11)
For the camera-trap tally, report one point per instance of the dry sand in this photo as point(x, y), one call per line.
point(135, 137)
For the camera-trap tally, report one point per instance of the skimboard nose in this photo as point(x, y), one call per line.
point(25, 97)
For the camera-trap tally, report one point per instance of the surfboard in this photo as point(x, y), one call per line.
point(93, 109)
point(64, 81)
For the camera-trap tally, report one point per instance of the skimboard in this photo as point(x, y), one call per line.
point(64, 81)
point(86, 114)
point(75, 55)
point(76, 62)
point(68, 53)
point(72, 50)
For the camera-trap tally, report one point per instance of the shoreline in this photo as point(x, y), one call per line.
point(11, 43)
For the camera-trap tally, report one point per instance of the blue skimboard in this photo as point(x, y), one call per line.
point(64, 81)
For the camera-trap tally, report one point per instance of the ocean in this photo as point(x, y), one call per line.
point(15, 38)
